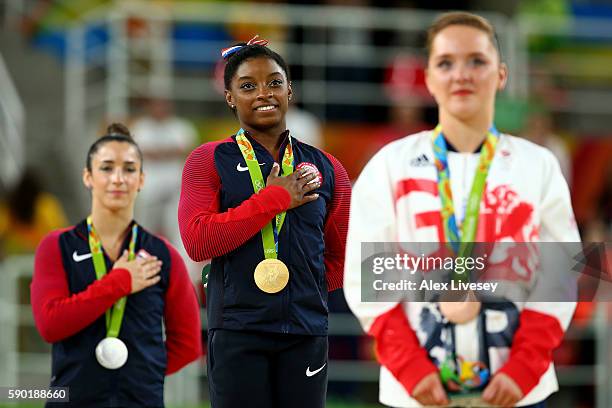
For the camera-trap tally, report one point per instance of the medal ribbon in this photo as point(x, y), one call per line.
point(269, 233)
point(462, 245)
point(114, 317)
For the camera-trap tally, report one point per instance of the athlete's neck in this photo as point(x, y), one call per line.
point(270, 138)
point(112, 227)
point(465, 136)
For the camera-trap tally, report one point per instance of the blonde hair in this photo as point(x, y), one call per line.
point(460, 18)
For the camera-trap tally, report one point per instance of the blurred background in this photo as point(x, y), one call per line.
point(69, 68)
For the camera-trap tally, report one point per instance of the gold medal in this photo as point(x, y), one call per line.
point(461, 311)
point(271, 275)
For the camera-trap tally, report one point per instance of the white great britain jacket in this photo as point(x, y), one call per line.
point(395, 199)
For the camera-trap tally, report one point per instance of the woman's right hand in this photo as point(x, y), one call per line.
point(143, 271)
point(298, 184)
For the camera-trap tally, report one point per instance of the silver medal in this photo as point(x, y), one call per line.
point(111, 353)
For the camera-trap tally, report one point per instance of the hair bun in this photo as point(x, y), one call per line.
point(118, 129)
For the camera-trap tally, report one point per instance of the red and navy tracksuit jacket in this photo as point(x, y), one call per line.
point(69, 307)
point(220, 218)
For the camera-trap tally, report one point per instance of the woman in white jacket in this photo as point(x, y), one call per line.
point(419, 189)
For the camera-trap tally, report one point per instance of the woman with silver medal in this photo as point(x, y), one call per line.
point(109, 268)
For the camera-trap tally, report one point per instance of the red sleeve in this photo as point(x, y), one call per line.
point(399, 350)
point(205, 232)
point(181, 317)
point(58, 314)
point(537, 336)
point(336, 226)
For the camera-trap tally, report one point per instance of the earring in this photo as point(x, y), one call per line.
point(232, 106)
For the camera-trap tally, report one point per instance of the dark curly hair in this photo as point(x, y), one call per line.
point(249, 52)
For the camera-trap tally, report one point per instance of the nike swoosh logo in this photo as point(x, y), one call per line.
point(311, 373)
point(240, 168)
point(79, 258)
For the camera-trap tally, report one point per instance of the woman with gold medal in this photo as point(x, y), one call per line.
point(103, 288)
point(460, 183)
point(271, 212)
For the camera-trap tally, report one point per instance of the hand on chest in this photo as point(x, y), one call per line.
point(238, 184)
